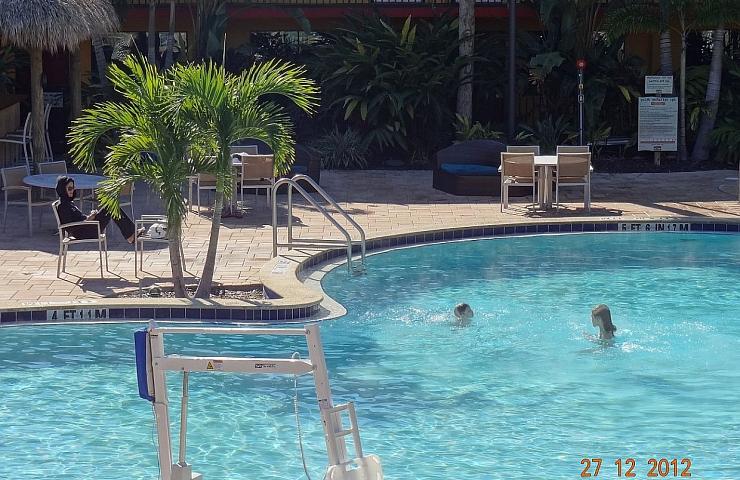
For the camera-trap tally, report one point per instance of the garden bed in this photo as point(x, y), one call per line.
point(247, 292)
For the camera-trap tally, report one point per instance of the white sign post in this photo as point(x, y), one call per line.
point(658, 85)
point(658, 124)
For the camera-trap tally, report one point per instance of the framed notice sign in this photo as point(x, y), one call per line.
point(657, 129)
point(658, 85)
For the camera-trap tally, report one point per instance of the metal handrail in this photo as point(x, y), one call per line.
point(309, 242)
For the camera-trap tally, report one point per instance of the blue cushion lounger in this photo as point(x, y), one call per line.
point(468, 169)
point(471, 168)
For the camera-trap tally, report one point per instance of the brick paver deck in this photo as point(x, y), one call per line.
point(383, 202)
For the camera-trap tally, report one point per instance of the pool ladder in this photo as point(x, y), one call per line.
point(317, 243)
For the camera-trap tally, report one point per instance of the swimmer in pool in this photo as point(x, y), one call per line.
point(601, 317)
point(463, 314)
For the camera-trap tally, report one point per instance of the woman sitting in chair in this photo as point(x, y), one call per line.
point(68, 213)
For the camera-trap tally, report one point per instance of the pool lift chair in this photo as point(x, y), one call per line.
point(152, 364)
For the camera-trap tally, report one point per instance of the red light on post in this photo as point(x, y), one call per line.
point(581, 63)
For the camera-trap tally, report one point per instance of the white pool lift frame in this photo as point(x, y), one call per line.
point(152, 364)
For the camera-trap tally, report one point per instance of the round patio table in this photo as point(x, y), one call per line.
point(82, 181)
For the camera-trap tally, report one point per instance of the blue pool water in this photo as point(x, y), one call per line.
point(521, 393)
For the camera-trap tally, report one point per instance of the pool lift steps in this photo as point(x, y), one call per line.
point(152, 364)
point(317, 243)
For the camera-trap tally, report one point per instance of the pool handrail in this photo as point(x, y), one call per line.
point(312, 242)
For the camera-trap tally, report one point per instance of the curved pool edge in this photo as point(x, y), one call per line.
point(292, 281)
point(313, 268)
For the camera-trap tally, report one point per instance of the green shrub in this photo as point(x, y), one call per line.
point(396, 87)
point(467, 130)
point(548, 133)
point(341, 149)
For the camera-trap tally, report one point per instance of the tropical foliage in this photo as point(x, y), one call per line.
point(182, 122)
point(465, 129)
point(396, 86)
point(341, 149)
point(548, 133)
point(150, 146)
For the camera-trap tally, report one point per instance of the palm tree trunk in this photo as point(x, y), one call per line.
point(511, 107)
point(178, 279)
point(714, 85)
point(170, 38)
point(206, 278)
point(75, 84)
point(666, 53)
point(37, 105)
point(682, 149)
point(100, 60)
point(466, 33)
point(151, 42)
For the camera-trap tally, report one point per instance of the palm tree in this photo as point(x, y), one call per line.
point(717, 14)
point(38, 25)
point(680, 16)
point(637, 16)
point(151, 41)
point(466, 33)
point(223, 108)
point(151, 146)
point(170, 38)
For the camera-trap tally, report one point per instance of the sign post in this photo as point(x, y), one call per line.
point(658, 117)
point(581, 64)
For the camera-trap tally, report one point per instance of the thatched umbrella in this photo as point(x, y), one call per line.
point(38, 25)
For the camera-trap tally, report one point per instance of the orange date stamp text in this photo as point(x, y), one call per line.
point(629, 468)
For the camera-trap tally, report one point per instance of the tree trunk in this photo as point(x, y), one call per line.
point(466, 33)
point(100, 60)
point(178, 279)
point(666, 52)
point(75, 84)
point(170, 38)
point(682, 149)
point(37, 106)
point(206, 278)
point(714, 85)
point(151, 42)
point(511, 110)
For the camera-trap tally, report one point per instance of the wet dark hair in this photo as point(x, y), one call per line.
point(62, 182)
point(602, 312)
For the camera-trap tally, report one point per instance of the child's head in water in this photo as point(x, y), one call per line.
point(601, 317)
point(463, 311)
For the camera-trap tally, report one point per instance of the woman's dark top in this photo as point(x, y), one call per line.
point(68, 213)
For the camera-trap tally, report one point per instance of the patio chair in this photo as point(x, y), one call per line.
point(574, 170)
point(65, 240)
point(573, 149)
point(517, 169)
point(248, 149)
point(127, 191)
point(18, 193)
point(59, 168)
point(534, 149)
point(258, 173)
point(27, 134)
point(204, 181)
point(22, 138)
point(147, 221)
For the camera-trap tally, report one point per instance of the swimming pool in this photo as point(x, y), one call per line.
point(520, 393)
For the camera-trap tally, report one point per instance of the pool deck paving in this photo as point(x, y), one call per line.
point(383, 202)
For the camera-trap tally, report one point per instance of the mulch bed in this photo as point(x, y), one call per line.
point(237, 293)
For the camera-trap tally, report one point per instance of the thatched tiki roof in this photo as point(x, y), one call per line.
point(53, 24)
point(38, 25)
